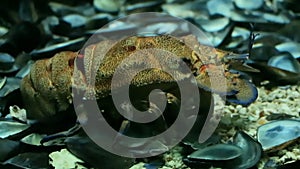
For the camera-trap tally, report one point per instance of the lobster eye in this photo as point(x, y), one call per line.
point(130, 48)
point(71, 62)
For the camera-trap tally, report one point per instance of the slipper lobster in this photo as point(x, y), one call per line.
point(47, 89)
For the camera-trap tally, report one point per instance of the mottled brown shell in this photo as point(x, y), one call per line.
point(47, 89)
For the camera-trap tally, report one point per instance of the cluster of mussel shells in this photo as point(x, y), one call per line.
point(244, 151)
point(58, 26)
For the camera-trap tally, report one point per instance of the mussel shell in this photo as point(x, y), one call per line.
point(291, 47)
point(28, 160)
point(286, 62)
point(249, 5)
point(274, 75)
point(108, 6)
point(218, 152)
point(6, 61)
point(8, 148)
point(263, 52)
point(51, 50)
point(214, 25)
point(11, 84)
point(218, 155)
point(24, 70)
point(251, 153)
point(8, 128)
point(224, 8)
point(94, 154)
point(75, 20)
point(243, 152)
point(289, 165)
point(278, 134)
